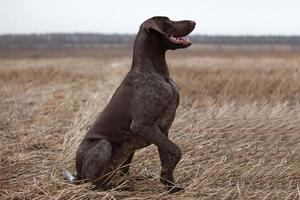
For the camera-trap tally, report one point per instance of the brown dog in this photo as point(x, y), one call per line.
point(140, 112)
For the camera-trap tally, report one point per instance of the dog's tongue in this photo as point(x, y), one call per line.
point(184, 40)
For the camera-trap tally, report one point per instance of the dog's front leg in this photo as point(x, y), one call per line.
point(170, 152)
point(167, 168)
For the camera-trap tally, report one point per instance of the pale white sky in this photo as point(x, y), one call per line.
point(124, 16)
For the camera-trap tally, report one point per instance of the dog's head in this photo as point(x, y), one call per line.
point(169, 34)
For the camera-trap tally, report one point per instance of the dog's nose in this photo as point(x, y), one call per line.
point(193, 23)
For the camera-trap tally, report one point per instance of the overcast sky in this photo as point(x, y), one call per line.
point(124, 16)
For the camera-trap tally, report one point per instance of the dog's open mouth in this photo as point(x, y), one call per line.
point(181, 40)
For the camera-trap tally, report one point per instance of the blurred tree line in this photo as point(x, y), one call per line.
point(57, 41)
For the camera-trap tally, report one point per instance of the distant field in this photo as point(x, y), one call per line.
point(238, 123)
point(125, 50)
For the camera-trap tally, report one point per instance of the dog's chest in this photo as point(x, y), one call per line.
point(166, 119)
point(158, 93)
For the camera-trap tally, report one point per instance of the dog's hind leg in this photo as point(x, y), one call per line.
point(126, 165)
point(96, 164)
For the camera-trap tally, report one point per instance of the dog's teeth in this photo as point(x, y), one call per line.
point(176, 38)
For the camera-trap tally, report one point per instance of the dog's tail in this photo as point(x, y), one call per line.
point(68, 176)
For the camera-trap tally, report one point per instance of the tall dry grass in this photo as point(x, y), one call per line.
point(238, 126)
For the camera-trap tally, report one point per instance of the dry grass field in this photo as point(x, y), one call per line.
point(238, 126)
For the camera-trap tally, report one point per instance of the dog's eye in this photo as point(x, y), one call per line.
point(168, 24)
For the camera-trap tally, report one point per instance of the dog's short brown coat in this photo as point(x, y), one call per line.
point(141, 110)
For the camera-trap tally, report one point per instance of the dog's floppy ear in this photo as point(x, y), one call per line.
point(151, 25)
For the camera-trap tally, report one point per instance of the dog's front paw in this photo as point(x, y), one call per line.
point(175, 189)
point(167, 179)
point(171, 186)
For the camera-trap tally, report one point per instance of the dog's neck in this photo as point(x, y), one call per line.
point(148, 55)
